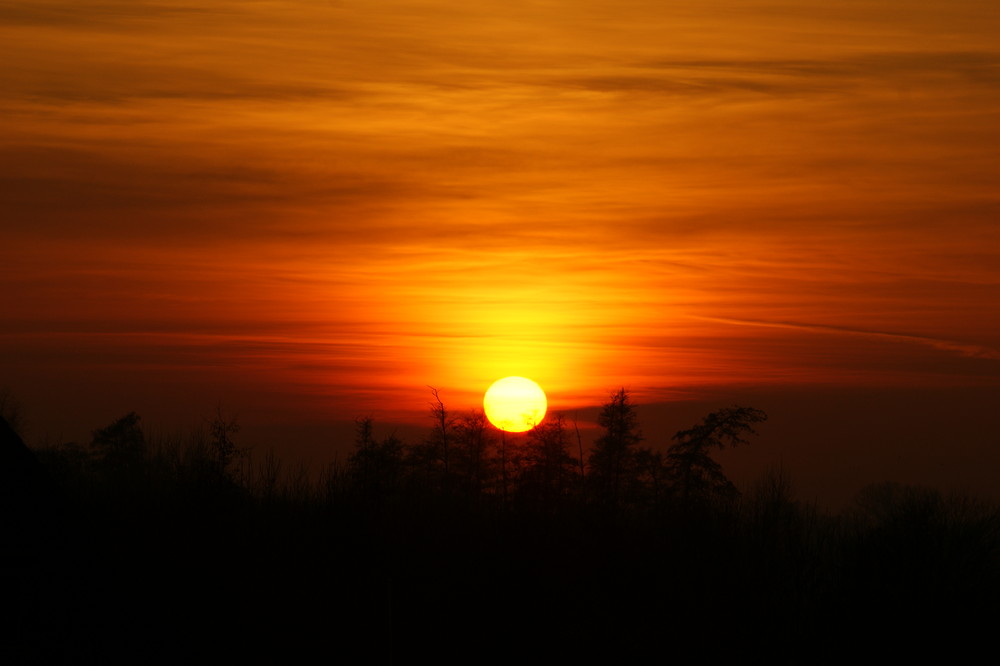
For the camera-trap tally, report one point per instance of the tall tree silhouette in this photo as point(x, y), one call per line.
point(375, 467)
point(222, 430)
point(121, 445)
point(443, 423)
point(613, 457)
point(695, 474)
point(432, 457)
point(471, 460)
point(549, 469)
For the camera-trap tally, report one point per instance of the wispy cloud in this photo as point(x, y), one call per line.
point(439, 190)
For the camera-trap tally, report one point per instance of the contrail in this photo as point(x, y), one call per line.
point(962, 348)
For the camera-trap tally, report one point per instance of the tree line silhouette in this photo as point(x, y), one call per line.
point(476, 545)
point(466, 457)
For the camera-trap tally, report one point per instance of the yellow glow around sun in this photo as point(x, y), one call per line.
point(515, 404)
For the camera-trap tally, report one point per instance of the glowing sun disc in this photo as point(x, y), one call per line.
point(515, 404)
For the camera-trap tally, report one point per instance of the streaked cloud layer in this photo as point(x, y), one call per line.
point(336, 203)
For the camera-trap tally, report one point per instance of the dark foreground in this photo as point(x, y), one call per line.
point(167, 556)
point(220, 575)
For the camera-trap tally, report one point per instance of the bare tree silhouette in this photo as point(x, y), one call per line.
point(222, 429)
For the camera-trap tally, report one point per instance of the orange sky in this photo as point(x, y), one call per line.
point(320, 207)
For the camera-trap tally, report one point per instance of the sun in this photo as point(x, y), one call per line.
point(515, 404)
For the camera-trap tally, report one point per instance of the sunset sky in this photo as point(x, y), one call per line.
point(311, 210)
